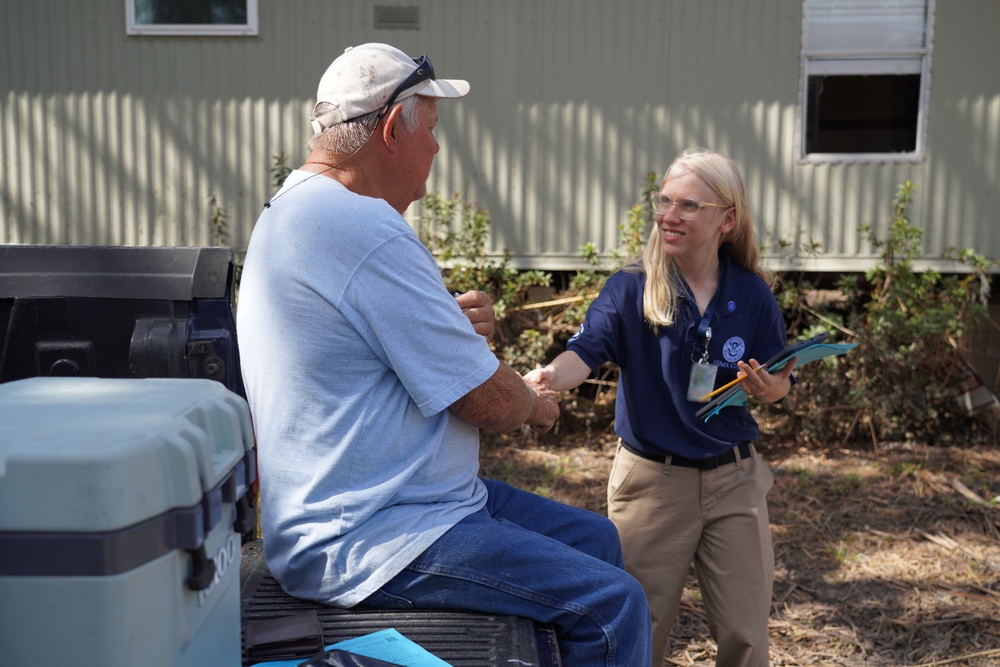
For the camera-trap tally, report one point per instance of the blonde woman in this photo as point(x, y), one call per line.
point(693, 312)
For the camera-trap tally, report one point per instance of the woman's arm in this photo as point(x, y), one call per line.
point(566, 371)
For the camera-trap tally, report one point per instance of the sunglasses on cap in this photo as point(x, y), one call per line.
point(423, 72)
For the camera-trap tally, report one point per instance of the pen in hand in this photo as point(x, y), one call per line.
point(730, 384)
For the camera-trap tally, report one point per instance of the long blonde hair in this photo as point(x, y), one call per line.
point(722, 176)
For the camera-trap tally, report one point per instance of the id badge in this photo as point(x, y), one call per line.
point(702, 381)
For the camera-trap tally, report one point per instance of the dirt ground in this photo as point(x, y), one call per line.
point(884, 556)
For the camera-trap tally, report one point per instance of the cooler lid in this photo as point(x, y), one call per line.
point(100, 454)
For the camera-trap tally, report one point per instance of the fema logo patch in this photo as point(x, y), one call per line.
point(576, 335)
point(733, 349)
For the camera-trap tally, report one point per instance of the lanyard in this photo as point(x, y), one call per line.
point(704, 335)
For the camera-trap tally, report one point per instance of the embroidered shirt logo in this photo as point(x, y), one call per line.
point(731, 306)
point(733, 349)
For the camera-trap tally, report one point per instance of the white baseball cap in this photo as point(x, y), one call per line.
point(371, 77)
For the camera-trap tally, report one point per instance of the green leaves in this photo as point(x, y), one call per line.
point(899, 382)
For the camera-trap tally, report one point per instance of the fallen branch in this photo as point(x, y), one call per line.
point(967, 656)
point(556, 302)
point(941, 540)
point(833, 324)
point(968, 493)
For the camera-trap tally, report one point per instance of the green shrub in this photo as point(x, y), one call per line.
point(280, 170)
point(899, 383)
point(455, 232)
point(218, 221)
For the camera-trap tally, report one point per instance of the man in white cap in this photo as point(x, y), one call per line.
point(369, 382)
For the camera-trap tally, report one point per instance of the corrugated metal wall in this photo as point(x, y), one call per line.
point(112, 139)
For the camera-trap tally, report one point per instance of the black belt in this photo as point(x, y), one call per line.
point(710, 463)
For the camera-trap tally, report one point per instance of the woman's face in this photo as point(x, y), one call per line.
point(700, 236)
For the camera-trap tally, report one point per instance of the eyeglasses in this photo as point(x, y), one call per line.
point(423, 72)
point(687, 209)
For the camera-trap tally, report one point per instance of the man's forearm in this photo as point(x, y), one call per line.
point(502, 403)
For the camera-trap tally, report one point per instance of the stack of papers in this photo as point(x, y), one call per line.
point(387, 645)
point(803, 352)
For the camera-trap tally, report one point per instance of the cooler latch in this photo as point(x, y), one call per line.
point(202, 569)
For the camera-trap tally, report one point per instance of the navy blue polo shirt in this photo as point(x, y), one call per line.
point(652, 413)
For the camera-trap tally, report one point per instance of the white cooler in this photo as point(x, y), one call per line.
point(121, 507)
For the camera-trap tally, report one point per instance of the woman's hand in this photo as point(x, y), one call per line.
point(565, 372)
point(764, 386)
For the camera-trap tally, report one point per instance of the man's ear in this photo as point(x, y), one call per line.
point(392, 125)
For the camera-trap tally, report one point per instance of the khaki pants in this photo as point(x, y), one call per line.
point(670, 516)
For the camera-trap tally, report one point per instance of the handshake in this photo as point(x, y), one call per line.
point(565, 372)
point(547, 400)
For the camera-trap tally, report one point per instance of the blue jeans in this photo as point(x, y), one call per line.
point(524, 555)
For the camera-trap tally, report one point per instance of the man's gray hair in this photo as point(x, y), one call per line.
point(347, 137)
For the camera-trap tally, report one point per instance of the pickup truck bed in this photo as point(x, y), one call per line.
point(462, 639)
point(139, 312)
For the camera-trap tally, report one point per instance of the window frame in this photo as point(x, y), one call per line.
point(248, 29)
point(865, 61)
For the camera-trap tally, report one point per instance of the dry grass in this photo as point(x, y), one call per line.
point(885, 557)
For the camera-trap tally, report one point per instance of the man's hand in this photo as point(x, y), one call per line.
point(546, 410)
point(506, 402)
point(478, 307)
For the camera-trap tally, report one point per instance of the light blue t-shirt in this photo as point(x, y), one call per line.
point(352, 350)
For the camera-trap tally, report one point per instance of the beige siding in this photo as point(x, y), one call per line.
point(106, 138)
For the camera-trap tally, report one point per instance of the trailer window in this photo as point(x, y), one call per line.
point(864, 91)
point(191, 17)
